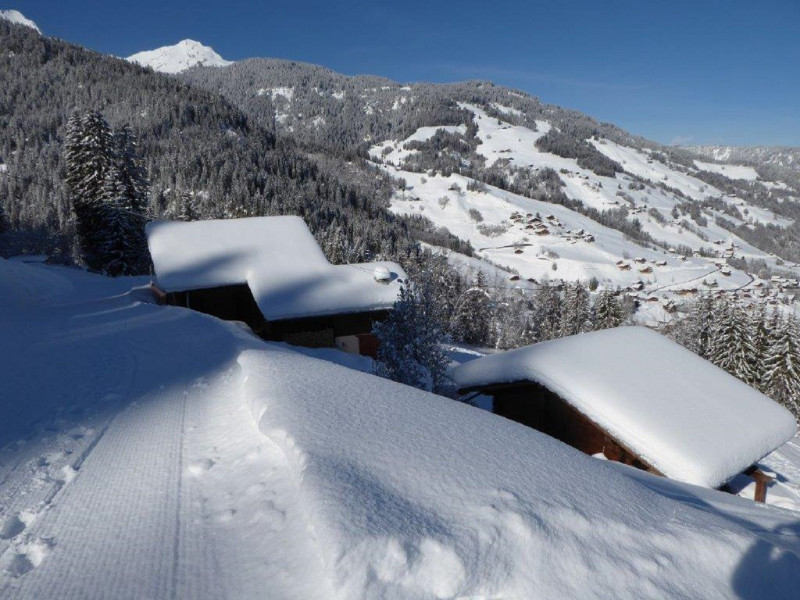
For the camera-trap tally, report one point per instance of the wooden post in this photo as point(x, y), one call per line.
point(762, 481)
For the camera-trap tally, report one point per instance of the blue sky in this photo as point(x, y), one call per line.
point(706, 71)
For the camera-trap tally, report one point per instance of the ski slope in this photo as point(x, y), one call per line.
point(154, 452)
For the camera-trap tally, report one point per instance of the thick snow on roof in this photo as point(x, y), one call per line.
point(686, 417)
point(139, 459)
point(277, 257)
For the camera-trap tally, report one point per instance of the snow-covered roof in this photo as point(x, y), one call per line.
point(686, 417)
point(277, 257)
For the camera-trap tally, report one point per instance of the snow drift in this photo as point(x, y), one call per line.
point(411, 495)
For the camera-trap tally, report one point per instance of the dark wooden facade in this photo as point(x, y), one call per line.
point(536, 406)
point(236, 303)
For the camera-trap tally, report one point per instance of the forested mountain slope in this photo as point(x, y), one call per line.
point(204, 155)
point(483, 160)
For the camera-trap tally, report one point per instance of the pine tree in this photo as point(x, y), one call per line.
point(512, 321)
point(89, 153)
point(120, 237)
point(472, 316)
point(608, 311)
point(781, 379)
point(575, 316)
point(695, 332)
point(132, 170)
point(108, 188)
point(410, 349)
point(762, 336)
point(549, 306)
point(183, 208)
point(732, 348)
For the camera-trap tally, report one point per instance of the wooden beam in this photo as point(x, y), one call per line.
point(762, 481)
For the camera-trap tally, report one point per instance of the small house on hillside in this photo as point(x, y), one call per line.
point(270, 273)
point(634, 396)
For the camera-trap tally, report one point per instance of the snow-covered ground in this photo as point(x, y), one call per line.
point(150, 451)
point(730, 171)
point(570, 246)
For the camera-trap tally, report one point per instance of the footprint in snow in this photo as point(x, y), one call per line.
point(12, 527)
point(199, 467)
point(27, 556)
point(270, 516)
point(225, 516)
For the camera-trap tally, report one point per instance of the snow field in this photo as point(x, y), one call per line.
point(198, 461)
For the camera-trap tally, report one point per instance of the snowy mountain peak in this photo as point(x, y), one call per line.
point(17, 17)
point(183, 55)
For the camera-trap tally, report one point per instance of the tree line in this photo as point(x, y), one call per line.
point(759, 346)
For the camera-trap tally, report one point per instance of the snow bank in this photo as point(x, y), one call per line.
point(24, 284)
point(410, 495)
point(686, 417)
point(277, 257)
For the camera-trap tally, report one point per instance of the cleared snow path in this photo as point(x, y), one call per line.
point(131, 468)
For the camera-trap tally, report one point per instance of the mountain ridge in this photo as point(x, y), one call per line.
point(179, 57)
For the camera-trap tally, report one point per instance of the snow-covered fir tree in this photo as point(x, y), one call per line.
point(120, 238)
point(472, 317)
point(411, 347)
point(781, 378)
point(547, 314)
point(108, 187)
point(89, 154)
point(762, 334)
point(732, 346)
point(513, 321)
point(575, 316)
point(696, 331)
point(608, 311)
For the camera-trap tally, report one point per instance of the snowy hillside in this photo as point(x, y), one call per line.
point(183, 55)
point(785, 157)
point(15, 16)
point(685, 251)
point(163, 453)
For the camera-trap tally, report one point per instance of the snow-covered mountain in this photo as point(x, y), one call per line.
point(17, 17)
point(183, 55)
point(540, 190)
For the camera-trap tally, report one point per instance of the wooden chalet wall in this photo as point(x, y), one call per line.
point(236, 303)
point(230, 302)
point(535, 406)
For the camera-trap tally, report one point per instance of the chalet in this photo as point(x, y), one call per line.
point(631, 395)
point(270, 273)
